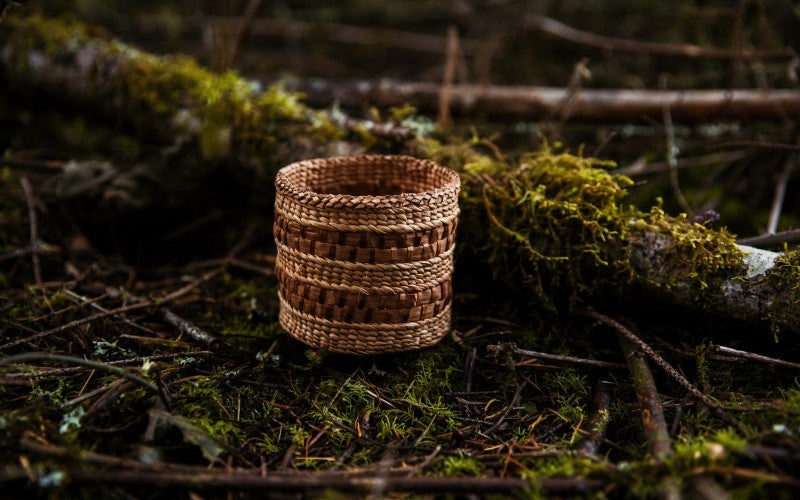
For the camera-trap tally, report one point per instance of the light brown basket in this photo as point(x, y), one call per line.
point(365, 251)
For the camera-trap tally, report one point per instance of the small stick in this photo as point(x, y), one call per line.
point(94, 304)
point(20, 252)
point(771, 240)
point(469, 369)
point(449, 74)
point(672, 372)
point(73, 324)
point(599, 419)
point(672, 156)
point(315, 481)
point(37, 268)
point(559, 358)
point(652, 414)
point(92, 393)
point(192, 330)
point(565, 32)
point(109, 396)
point(756, 357)
point(128, 361)
point(780, 194)
point(111, 312)
point(513, 404)
point(653, 421)
point(41, 356)
point(242, 31)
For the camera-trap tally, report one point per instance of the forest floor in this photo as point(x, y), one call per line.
point(140, 350)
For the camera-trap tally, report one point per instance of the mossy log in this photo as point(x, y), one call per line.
point(560, 229)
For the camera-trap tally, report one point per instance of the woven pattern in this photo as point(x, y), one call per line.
point(365, 251)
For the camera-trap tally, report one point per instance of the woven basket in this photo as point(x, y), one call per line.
point(365, 251)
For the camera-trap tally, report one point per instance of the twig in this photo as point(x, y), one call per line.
point(41, 356)
point(652, 414)
point(565, 32)
point(111, 312)
point(672, 157)
point(43, 166)
point(34, 231)
point(92, 393)
point(110, 395)
point(235, 481)
point(653, 421)
point(756, 357)
point(580, 72)
point(128, 361)
point(21, 252)
point(742, 473)
point(771, 240)
point(557, 357)
point(75, 323)
point(451, 56)
point(425, 461)
point(7, 4)
point(672, 372)
point(51, 450)
point(244, 27)
point(640, 168)
point(780, 194)
point(511, 405)
point(599, 419)
point(344, 33)
point(469, 369)
point(93, 303)
point(192, 330)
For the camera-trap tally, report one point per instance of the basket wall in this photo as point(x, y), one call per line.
point(365, 251)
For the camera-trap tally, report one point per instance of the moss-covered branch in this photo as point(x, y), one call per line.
point(559, 225)
point(160, 98)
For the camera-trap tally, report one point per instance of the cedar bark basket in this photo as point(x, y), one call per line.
point(365, 251)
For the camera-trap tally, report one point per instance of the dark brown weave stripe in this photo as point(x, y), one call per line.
point(363, 239)
point(291, 287)
point(365, 254)
point(369, 315)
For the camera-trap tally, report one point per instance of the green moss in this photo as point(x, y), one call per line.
point(459, 465)
point(785, 275)
point(705, 253)
point(39, 34)
point(556, 221)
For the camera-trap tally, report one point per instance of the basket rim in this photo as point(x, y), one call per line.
point(448, 189)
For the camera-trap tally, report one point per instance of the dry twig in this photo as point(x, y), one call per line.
point(37, 268)
point(672, 372)
point(565, 32)
point(529, 102)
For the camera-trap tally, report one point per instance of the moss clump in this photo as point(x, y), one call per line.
point(785, 276)
point(691, 252)
point(556, 221)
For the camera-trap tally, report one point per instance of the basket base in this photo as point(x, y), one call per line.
point(363, 338)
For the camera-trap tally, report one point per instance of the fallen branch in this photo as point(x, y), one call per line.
point(651, 414)
point(639, 344)
point(531, 103)
point(345, 33)
point(565, 32)
point(573, 228)
point(310, 482)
